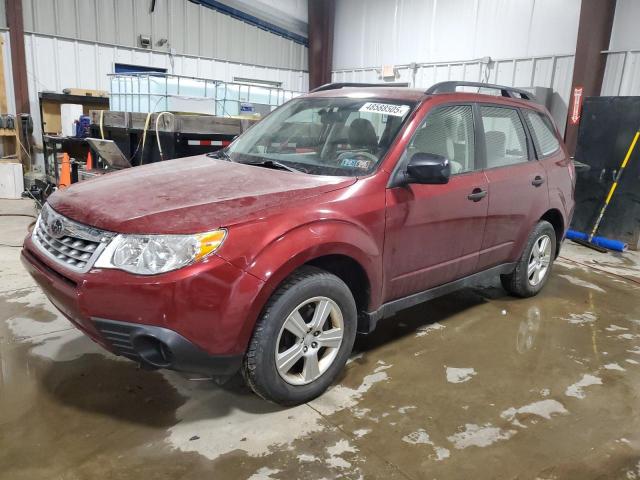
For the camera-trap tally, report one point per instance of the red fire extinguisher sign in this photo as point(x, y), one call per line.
point(576, 106)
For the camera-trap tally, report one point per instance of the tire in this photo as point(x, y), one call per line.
point(523, 282)
point(300, 379)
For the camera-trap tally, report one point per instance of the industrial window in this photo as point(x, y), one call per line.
point(544, 135)
point(505, 140)
point(447, 131)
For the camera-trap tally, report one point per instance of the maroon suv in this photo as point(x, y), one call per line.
point(338, 209)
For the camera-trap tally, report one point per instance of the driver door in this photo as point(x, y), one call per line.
point(434, 232)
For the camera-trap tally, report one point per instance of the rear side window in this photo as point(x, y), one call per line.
point(544, 136)
point(447, 131)
point(504, 135)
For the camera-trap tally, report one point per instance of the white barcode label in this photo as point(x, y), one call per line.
point(385, 109)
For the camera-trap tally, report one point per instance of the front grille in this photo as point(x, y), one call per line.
point(118, 335)
point(71, 244)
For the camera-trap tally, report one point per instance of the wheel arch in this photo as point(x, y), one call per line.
point(340, 248)
point(351, 272)
point(555, 218)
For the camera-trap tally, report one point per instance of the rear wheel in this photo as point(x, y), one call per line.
point(534, 266)
point(303, 338)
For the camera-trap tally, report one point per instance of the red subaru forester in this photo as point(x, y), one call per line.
point(340, 208)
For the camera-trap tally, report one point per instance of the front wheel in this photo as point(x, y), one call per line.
point(303, 338)
point(534, 266)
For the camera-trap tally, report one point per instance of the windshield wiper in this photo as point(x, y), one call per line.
point(273, 164)
point(221, 154)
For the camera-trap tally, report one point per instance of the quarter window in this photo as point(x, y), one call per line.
point(447, 131)
point(544, 135)
point(504, 135)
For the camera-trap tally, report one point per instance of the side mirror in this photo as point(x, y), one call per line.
point(428, 168)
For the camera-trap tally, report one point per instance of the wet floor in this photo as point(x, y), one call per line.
point(473, 385)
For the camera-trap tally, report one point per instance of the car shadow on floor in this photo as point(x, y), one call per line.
point(105, 385)
point(113, 387)
point(408, 322)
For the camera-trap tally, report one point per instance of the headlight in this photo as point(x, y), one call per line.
point(153, 254)
point(36, 225)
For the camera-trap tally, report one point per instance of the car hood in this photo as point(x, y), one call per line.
point(187, 195)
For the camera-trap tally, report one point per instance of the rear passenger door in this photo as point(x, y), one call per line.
point(517, 184)
point(554, 159)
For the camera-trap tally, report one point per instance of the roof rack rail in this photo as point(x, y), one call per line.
point(450, 87)
point(335, 86)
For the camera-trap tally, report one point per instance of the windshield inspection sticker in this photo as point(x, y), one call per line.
point(356, 163)
point(385, 109)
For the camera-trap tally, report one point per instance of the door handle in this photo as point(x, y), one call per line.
point(537, 181)
point(477, 194)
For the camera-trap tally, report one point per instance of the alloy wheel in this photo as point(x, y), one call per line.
point(539, 260)
point(309, 341)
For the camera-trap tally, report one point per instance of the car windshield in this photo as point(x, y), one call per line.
point(323, 136)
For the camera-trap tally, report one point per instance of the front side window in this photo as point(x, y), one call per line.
point(544, 134)
point(447, 131)
point(324, 136)
point(504, 136)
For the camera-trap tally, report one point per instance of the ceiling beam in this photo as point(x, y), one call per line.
point(262, 16)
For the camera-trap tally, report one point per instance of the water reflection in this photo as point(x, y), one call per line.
point(528, 330)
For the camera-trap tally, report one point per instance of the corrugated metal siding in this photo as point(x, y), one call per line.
point(532, 40)
point(55, 63)
point(552, 72)
point(622, 73)
point(378, 32)
point(191, 29)
point(624, 35)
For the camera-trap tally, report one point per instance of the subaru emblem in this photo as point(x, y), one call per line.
point(56, 228)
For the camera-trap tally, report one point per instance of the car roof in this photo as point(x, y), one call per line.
point(416, 94)
point(391, 93)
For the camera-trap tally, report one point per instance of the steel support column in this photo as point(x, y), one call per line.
point(321, 20)
point(594, 33)
point(18, 58)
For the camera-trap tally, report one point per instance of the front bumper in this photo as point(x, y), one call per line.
point(159, 347)
point(200, 317)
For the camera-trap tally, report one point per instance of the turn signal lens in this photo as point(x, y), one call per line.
point(209, 243)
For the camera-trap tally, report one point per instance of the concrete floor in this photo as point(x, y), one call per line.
point(473, 385)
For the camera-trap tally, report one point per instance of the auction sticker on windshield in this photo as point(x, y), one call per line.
point(385, 109)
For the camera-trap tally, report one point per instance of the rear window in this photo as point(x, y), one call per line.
point(544, 136)
point(505, 140)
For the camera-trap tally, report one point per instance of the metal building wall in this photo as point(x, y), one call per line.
point(75, 43)
point(190, 29)
point(379, 32)
point(530, 42)
point(622, 73)
point(55, 63)
point(546, 71)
